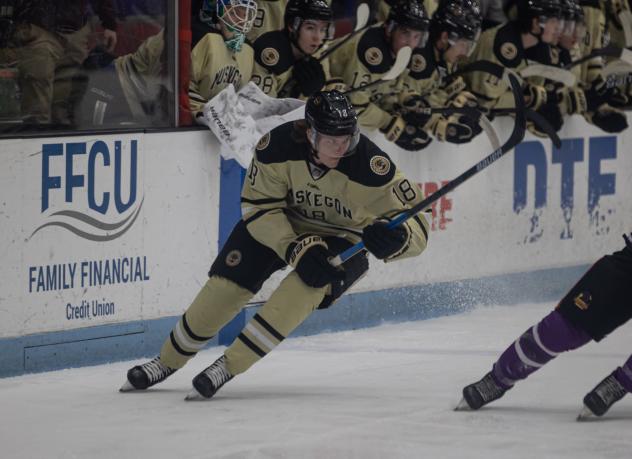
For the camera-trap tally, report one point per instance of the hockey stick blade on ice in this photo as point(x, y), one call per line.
point(401, 62)
point(516, 136)
point(362, 18)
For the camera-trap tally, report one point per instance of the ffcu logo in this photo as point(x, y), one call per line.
point(80, 176)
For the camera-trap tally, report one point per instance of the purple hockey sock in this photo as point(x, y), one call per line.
point(624, 375)
point(536, 347)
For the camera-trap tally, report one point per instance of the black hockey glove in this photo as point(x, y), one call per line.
point(619, 99)
point(412, 111)
point(609, 119)
point(413, 139)
point(309, 255)
point(551, 112)
point(456, 129)
point(309, 75)
point(382, 241)
point(535, 95)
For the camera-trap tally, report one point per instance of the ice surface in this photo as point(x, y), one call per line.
point(385, 392)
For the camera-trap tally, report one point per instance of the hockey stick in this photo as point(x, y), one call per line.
point(401, 62)
point(625, 19)
point(550, 72)
point(362, 18)
point(536, 119)
point(516, 136)
point(623, 54)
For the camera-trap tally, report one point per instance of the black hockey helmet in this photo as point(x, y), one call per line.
point(541, 9)
point(297, 11)
point(460, 18)
point(331, 113)
point(409, 13)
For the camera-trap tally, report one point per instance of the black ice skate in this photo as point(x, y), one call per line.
point(146, 375)
point(599, 400)
point(210, 380)
point(480, 393)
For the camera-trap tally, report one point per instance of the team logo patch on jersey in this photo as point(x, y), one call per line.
point(270, 56)
point(373, 56)
point(418, 63)
point(509, 51)
point(583, 300)
point(263, 142)
point(233, 258)
point(380, 165)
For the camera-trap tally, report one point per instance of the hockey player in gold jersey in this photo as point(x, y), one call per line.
point(270, 17)
point(514, 45)
point(314, 188)
point(392, 107)
point(222, 57)
point(286, 63)
point(589, 98)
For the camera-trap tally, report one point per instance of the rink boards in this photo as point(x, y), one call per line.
point(106, 239)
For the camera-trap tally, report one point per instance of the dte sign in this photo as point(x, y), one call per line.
point(531, 154)
point(98, 158)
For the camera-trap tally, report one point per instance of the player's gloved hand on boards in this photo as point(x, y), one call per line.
point(309, 256)
point(609, 119)
point(413, 139)
point(413, 111)
point(551, 112)
point(309, 75)
point(456, 129)
point(382, 241)
point(619, 98)
point(406, 135)
point(534, 95)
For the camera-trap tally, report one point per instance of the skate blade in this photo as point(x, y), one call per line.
point(195, 396)
point(585, 415)
point(463, 406)
point(127, 387)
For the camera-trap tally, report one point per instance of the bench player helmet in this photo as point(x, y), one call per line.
point(461, 19)
point(539, 9)
point(411, 14)
point(331, 113)
point(299, 11)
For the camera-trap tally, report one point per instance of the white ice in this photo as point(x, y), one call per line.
point(384, 392)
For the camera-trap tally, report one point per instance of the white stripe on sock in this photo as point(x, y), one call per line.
point(536, 335)
point(184, 339)
point(260, 337)
point(524, 357)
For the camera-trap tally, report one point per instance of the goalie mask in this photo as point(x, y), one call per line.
point(297, 12)
point(237, 16)
point(462, 21)
point(331, 117)
point(410, 14)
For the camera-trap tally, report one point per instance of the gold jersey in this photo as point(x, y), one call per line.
point(214, 67)
point(366, 58)
point(285, 195)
